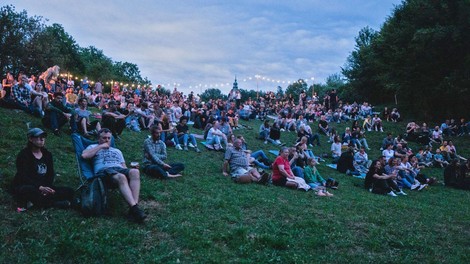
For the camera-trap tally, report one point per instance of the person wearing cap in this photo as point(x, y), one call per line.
point(113, 119)
point(57, 115)
point(34, 179)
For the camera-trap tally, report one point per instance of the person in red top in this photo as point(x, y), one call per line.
point(282, 171)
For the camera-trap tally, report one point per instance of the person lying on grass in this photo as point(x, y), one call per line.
point(155, 155)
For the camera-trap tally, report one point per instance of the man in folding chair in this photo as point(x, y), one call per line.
point(109, 164)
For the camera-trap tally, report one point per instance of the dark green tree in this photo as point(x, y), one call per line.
point(212, 93)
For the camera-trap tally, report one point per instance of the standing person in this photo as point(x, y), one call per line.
point(155, 156)
point(34, 179)
point(49, 77)
point(109, 163)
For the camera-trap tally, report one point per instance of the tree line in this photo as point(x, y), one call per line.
point(420, 57)
point(28, 45)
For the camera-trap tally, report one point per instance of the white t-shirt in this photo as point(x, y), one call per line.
point(336, 149)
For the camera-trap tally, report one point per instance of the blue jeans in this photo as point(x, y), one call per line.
point(184, 138)
point(297, 171)
point(158, 171)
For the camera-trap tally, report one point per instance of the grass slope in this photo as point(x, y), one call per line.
point(203, 217)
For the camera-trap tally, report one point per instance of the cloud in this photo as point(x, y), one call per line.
point(209, 42)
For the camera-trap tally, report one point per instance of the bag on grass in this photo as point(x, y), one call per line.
point(94, 198)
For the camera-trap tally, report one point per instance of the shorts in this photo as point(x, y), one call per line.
point(239, 172)
point(108, 173)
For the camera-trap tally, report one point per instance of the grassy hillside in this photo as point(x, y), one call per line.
point(204, 217)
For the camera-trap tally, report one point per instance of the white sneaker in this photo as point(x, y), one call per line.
point(422, 187)
point(415, 186)
point(265, 142)
point(402, 193)
point(391, 193)
point(178, 147)
point(282, 129)
point(190, 145)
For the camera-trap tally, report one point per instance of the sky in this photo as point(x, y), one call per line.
point(196, 45)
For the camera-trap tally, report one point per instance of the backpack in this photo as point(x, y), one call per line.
point(94, 198)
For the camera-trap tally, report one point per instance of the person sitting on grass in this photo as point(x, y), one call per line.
point(306, 131)
point(313, 178)
point(257, 158)
point(380, 183)
point(439, 160)
point(336, 150)
point(34, 179)
point(57, 115)
point(346, 162)
point(215, 137)
point(275, 135)
point(264, 130)
point(367, 125)
point(183, 136)
point(407, 176)
point(236, 162)
point(323, 127)
point(113, 119)
point(155, 155)
point(361, 161)
point(83, 119)
point(282, 173)
point(377, 123)
point(145, 116)
point(109, 163)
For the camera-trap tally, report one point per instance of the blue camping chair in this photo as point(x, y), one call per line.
point(85, 167)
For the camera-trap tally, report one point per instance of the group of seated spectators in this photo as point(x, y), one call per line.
point(169, 116)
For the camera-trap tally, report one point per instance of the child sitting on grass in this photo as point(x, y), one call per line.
point(314, 179)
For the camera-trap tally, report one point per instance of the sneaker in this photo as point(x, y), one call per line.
point(136, 214)
point(422, 187)
point(415, 186)
point(391, 193)
point(282, 129)
point(197, 150)
point(190, 145)
point(185, 148)
point(265, 142)
point(264, 178)
point(402, 193)
point(178, 147)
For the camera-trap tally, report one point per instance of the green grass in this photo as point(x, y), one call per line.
point(204, 217)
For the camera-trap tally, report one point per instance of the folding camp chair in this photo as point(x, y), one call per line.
point(85, 167)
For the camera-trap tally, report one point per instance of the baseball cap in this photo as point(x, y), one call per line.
point(36, 132)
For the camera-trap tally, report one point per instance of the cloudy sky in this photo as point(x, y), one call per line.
point(199, 44)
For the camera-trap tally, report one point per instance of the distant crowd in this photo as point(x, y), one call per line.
point(184, 121)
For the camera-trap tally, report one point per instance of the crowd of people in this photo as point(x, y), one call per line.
point(178, 120)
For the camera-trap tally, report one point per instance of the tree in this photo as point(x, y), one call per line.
point(212, 93)
point(421, 55)
point(16, 30)
point(97, 65)
point(296, 88)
